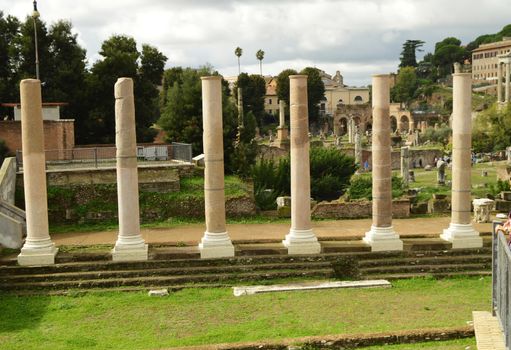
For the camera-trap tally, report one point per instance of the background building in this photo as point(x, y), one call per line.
point(485, 60)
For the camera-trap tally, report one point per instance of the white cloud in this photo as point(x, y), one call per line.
point(358, 37)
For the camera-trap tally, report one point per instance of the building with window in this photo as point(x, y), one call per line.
point(336, 93)
point(485, 60)
point(271, 101)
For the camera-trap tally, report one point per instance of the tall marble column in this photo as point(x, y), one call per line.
point(499, 82)
point(405, 164)
point(130, 245)
point(382, 235)
point(301, 238)
point(215, 243)
point(38, 248)
point(461, 232)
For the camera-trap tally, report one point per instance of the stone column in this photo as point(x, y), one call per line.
point(130, 245)
point(460, 231)
point(499, 82)
point(282, 134)
point(215, 242)
point(358, 149)
point(350, 130)
point(405, 164)
point(301, 239)
point(382, 235)
point(508, 83)
point(38, 248)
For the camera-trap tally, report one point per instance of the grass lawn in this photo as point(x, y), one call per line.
point(209, 316)
point(480, 185)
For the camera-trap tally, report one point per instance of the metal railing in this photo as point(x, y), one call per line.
point(105, 156)
point(501, 282)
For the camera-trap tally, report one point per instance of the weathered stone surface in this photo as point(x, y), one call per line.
point(216, 242)
point(301, 238)
point(356, 209)
point(8, 180)
point(158, 293)
point(419, 208)
point(129, 245)
point(11, 232)
point(502, 205)
point(250, 290)
point(439, 206)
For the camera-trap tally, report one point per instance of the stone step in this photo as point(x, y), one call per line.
point(425, 268)
point(395, 276)
point(105, 265)
point(187, 271)
point(483, 258)
point(165, 280)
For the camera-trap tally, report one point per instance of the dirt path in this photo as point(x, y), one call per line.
point(193, 233)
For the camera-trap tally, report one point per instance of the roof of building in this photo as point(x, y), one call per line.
point(506, 42)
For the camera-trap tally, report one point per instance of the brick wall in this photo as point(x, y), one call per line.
point(58, 134)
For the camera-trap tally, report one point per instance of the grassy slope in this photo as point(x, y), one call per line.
point(209, 316)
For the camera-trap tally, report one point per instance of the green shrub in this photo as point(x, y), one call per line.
point(361, 187)
point(440, 135)
point(330, 173)
point(270, 181)
point(500, 186)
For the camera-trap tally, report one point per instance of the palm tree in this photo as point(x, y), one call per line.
point(260, 57)
point(238, 52)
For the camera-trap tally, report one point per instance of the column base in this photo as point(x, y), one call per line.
point(383, 239)
point(462, 236)
point(301, 242)
point(32, 254)
point(216, 245)
point(131, 248)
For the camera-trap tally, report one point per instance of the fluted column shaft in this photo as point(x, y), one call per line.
point(216, 242)
point(38, 248)
point(130, 245)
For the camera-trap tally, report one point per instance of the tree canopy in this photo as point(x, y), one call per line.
point(410, 47)
point(254, 90)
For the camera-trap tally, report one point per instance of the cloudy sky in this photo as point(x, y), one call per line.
point(357, 37)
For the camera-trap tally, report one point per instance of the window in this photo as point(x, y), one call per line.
point(269, 102)
point(358, 99)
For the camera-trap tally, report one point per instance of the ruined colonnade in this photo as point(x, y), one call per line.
point(504, 76)
point(40, 250)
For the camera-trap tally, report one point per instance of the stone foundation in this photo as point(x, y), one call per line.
point(357, 209)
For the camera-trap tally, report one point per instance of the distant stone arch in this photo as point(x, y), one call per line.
point(343, 123)
point(358, 99)
point(404, 123)
point(369, 127)
point(393, 123)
